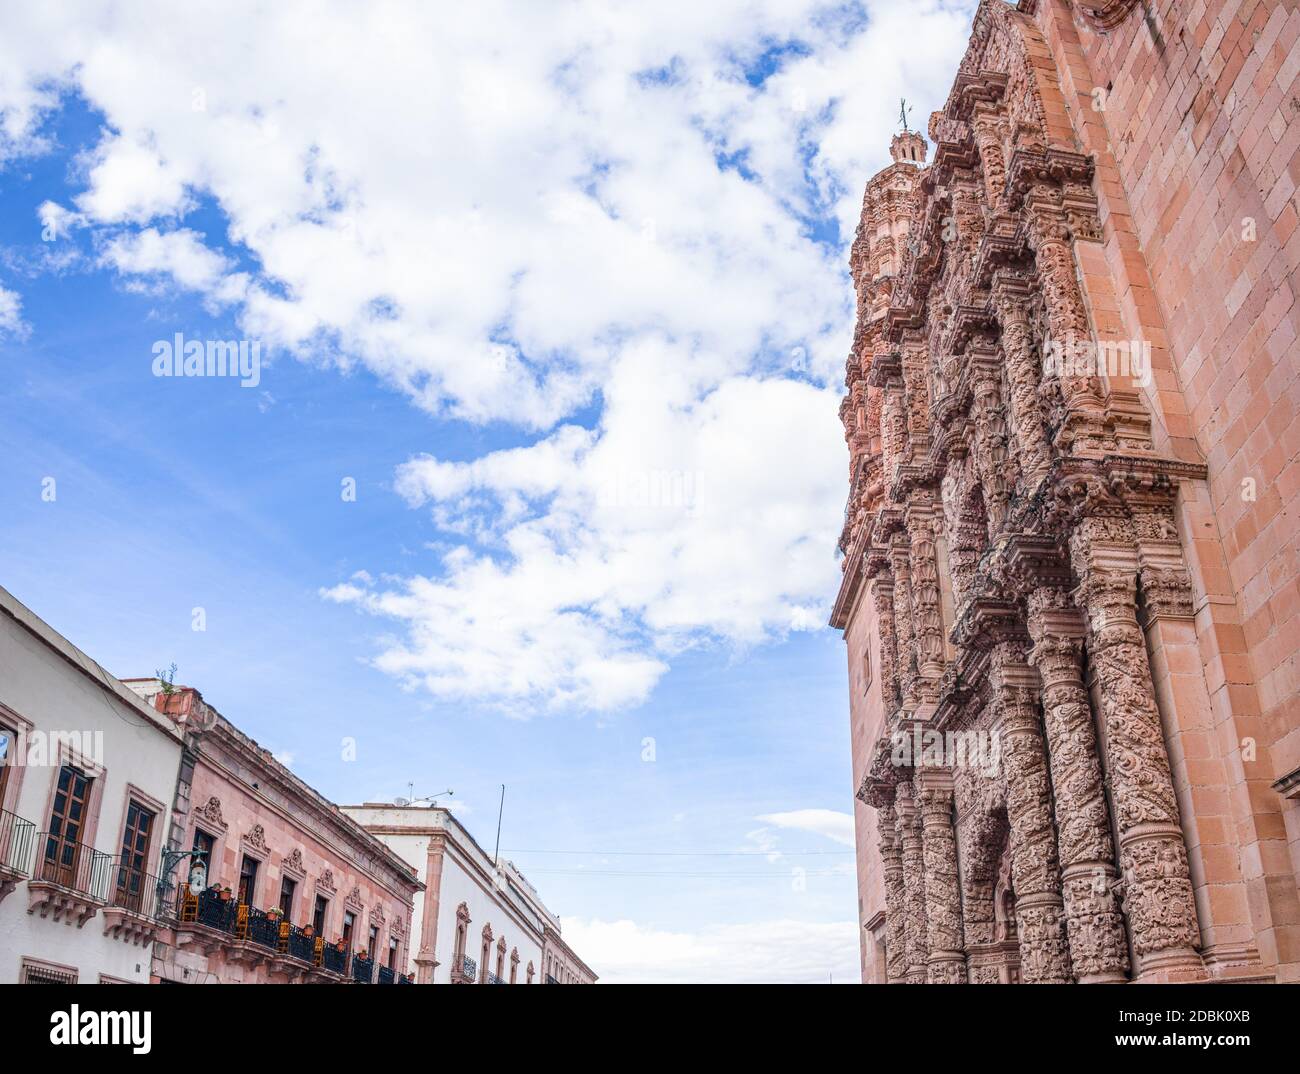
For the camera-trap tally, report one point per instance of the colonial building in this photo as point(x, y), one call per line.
point(560, 963)
point(278, 885)
point(478, 920)
point(1070, 548)
point(87, 777)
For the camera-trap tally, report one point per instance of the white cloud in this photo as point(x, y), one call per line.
point(780, 951)
point(181, 255)
point(827, 822)
point(11, 313)
point(510, 211)
point(682, 519)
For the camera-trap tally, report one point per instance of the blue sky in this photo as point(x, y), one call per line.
point(498, 312)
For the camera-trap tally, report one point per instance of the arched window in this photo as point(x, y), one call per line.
point(514, 965)
point(501, 958)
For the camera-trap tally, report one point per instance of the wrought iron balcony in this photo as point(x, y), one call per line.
point(259, 926)
point(494, 979)
point(551, 980)
point(386, 976)
point(363, 969)
point(133, 909)
point(297, 943)
point(70, 882)
point(332, 957)
point(405, 978)
point(17, 838)
point(466, 972)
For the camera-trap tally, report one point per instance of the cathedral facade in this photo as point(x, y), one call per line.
point(1071, 593)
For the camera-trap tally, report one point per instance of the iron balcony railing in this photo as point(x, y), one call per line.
point(363, 969)
point(208, 908)
point(331, 957)
point(296, 942)
point(269, 930)
point(17, 838)
point(74, 866)
point(134, 890)
point(494, 979)
point(551, 980)
point(405, 978)
point(468, 968)
point(386, 976)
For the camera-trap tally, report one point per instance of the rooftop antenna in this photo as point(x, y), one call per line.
point(902, 113)
point(496, 854)
point(412, 800)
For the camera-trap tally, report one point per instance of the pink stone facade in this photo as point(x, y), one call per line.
point(1071, 533)
point(275, 844)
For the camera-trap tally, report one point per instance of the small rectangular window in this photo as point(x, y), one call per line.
point(318, 915)
point(287, 888)
point(248, 880)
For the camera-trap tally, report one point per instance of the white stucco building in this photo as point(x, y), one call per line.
point(476, 922)
point(86, 789)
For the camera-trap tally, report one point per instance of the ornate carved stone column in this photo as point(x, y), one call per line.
point(914, 923)
point(988, 127)
point(1156, 883)
point(916, 394)
point(1040, 915)
point(946, 962)
point(903, 618)
point(1098, 946)
point(927, 616)
point(967, 534)
point(1011, 297)
point(891, 854)
point(990, 436)
point(882, 595)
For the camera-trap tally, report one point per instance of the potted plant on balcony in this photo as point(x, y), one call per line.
point(224, 894)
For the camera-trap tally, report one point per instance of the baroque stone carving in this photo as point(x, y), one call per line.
point(1012, 524)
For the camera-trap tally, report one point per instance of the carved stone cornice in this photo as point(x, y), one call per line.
point(974, 88)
